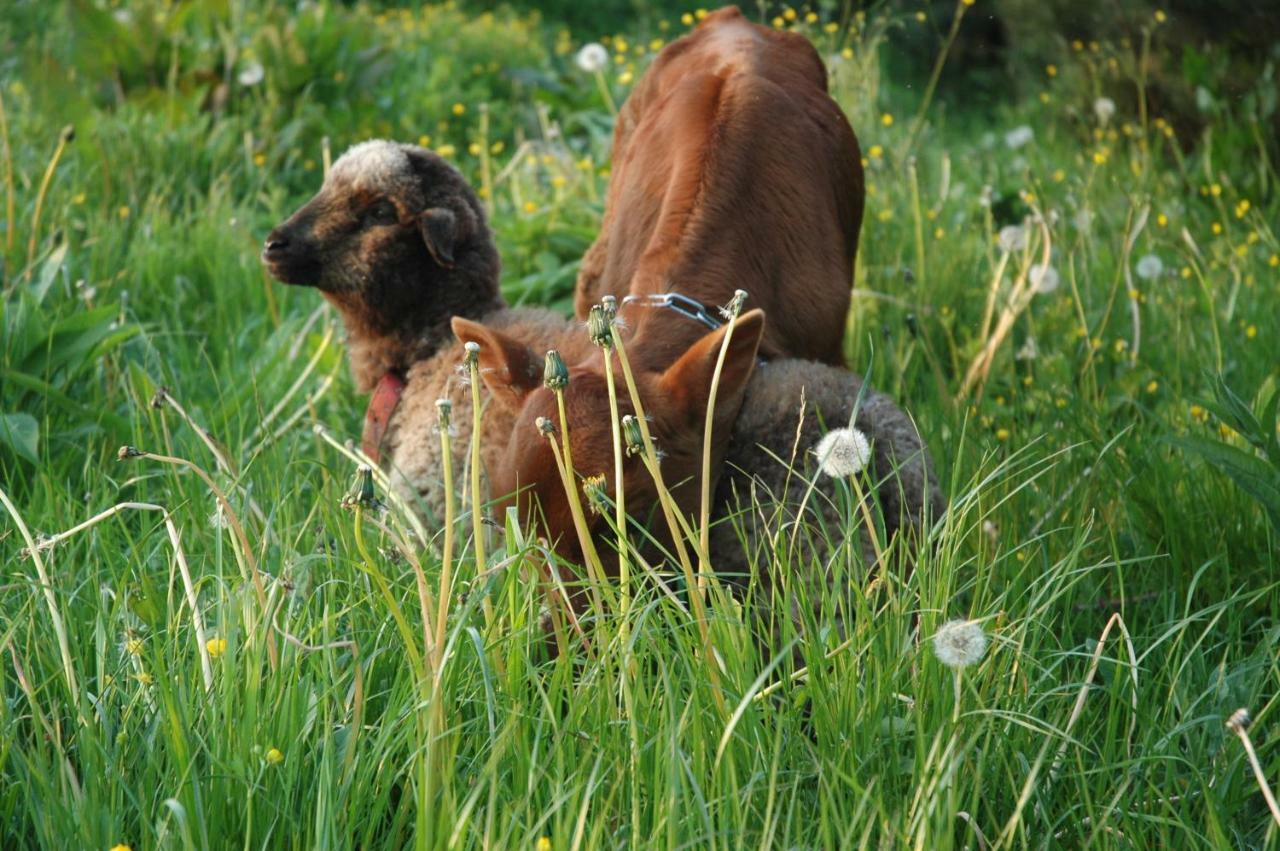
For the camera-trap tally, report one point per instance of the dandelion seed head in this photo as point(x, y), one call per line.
point(959, 643)
point(1104, 109)
point(843, 452)
point(1012, 238)
point(251, 73)
point(1149, 267)
point(1019, 136)
point(1044, 278)
point(592, 58)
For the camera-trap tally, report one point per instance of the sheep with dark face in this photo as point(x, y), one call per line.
point(397, 241)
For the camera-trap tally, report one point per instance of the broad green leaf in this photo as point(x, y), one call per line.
point(21, 433)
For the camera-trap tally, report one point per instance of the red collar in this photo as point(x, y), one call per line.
point(382, 404)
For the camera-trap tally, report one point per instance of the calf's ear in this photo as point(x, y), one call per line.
point(687, 382)
point(509, 368)
point(439, 229)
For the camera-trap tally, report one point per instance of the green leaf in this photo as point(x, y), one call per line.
point(21, 433)
point(49, 272)
point(1251, 474)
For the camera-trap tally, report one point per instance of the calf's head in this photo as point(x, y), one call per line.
point(675, 401)
point(395, 238)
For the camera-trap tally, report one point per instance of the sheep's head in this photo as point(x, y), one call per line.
point(394, 237)
point(675, 400)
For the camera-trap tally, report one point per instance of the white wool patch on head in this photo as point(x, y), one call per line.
point(376, 164)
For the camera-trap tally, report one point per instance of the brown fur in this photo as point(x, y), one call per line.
point(733, 169)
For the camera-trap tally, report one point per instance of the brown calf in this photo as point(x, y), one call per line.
point(733, 168)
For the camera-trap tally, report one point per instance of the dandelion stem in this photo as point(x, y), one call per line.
point(477, 506)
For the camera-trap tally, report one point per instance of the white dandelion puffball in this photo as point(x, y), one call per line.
point(251, 73)
point(1104, 108)
point(959, 644)
point(1028, 351)
point(843, 452)
point(1019, 136)
point(1044, 278)
point(592, 58)
point(1150, 267)
point(1012, 238)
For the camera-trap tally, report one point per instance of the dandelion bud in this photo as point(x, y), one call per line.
point(161, 396)
point(631, 433)
point(555, 375)
point(599, 328)
point(734, 307)
point(444, 410)
point(843, 452)
point(959, 644)
point(594, 488)
point(610, 305)
point(68, 134)
point(361, 493)
point(127, 452)
point(472, 349)
point(545, 427)
point(1239, 721)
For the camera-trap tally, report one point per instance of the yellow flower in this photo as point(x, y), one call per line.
point(584, 164)
point(811, 18)
point(686, 19)
point(831, 27)
point(700, 13)
point(1273, 260)
point(78, 198)
point(847, 53)
point(939, 233)
point(309, 165)
point(1198, 413)
point(1215, 190)
point(1002, 434)
point(887, 119)
point(921, 17)
point(259, 160)
point(1242, 208)
point(274, 757)
point(424, 141)
point(474, 149)
point(789, 14)
point(1160, 16)
point(1162, 220)
point(1216, 227)
point(1051, 70)
point(1226, 431)
point(656, 44)
point(446, 150)
point(1059, 175)
point(885, 215)
point(625, 78)
point(875, 152)
point(121, 847)
point(543, 844)
point(1100, 157)
point(497, 147)
point(144, 678)
point(1077, 45)
point(339, 76)
point(133, 646)
point(1153, 386)
point(968, 2)
point(530, 207)
point(459, 109)
point(1251, 331)
point(778, 23)
point(559, 181)
point(216, 647)
point(1044, 97)
point(123, 212)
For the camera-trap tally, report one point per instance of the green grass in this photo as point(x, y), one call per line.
point(1076, 511)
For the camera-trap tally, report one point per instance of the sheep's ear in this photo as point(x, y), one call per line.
point(509, 368)
point(439, 229)
point(687, 382)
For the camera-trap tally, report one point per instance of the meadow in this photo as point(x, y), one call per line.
point(1074, 294)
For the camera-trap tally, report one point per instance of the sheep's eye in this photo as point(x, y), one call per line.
point(383, 213)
